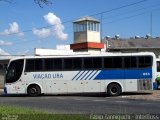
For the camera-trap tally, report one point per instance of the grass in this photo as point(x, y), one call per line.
point(8, 112)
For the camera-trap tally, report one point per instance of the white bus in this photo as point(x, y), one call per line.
point(158, 74)
point(111, 73)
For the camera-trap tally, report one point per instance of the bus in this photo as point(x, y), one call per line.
point(110, 73)
point(158, 74)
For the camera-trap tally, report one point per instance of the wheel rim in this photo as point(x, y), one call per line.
point(33, 90)
point(114, 90)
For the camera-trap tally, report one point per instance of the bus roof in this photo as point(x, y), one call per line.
point(83, 55)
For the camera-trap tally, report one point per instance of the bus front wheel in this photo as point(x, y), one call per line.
point(34, 90)
point(114, 89)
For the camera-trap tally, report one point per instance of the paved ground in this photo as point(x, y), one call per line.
point(130, 103)
point(141, 96)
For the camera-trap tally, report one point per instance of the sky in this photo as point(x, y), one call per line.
point(25, 26)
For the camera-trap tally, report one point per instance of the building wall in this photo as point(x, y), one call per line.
point(87, 36)
point(93, 36)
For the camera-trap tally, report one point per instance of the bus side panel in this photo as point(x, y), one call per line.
point(138, 79)
point(110, 76)
point(130, 85)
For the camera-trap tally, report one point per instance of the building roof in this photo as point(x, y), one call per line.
point(134, 43)
point(87, 18)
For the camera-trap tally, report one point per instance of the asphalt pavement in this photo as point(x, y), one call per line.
point(84, 104)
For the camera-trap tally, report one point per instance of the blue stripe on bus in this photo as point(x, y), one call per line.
point(76, 75)
point(89, 75)
point(80, 75)
point(114, 74)
point(84, 75)
point(125, 74)
point(93, 75)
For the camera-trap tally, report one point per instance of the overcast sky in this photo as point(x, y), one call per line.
point(25, 26)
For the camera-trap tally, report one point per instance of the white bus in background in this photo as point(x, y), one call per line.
point(111, 73)
point(158, 73)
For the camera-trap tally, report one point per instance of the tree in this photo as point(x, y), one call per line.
point(39, 2)
point(42, 2)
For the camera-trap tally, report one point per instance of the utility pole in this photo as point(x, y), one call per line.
point(101, 27)
point(151, 24)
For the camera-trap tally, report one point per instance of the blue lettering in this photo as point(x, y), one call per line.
point(42, 76)
point(34, 76)
point(61, 75)
point(58, 75)
point(47, 76)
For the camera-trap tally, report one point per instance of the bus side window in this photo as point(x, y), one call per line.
point(33, 65)
point(57, 64)
point(29, 65)
point(130, 62)
point(108, 63)
point(48, 64)
point(88, 63)
point(117, 62)
point(77, 63)
point(38, 64)
point(158, 66)
point(97, 62)
point(145, 61)
point(68, 63)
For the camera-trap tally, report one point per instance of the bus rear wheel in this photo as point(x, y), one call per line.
point(34, 90)
point(114, 89)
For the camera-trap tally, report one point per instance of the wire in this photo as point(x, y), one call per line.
point(155, 5)
point(114, 9)
point(126, 18)
point(119, 8)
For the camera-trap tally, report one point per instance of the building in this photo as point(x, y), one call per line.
point(87, 35)
point(133, 45)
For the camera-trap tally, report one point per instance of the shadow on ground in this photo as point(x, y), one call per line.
point(79, 94)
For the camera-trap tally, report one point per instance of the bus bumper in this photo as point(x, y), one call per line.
point(9, 89)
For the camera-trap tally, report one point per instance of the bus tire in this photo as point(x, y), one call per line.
point(33, 90)
point(114, 89)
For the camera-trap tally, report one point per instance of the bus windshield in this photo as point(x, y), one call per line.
point(14, 71)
